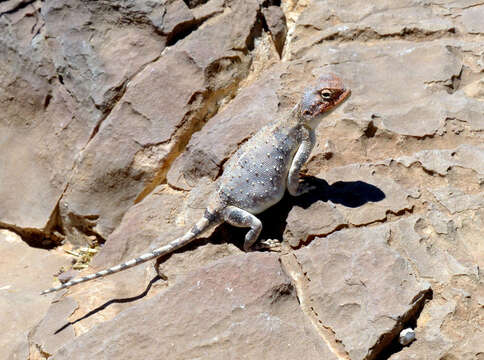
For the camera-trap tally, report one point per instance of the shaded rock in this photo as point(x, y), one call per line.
point(344, 271)
point(382, 197)
point(212, 313)
point(24, 272)
point(68, 59)
point(41, 126)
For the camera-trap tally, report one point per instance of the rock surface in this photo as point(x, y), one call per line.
point(116, 120)
point(219, 323)
point(24, 272)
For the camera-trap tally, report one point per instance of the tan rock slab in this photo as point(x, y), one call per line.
point(240, 307)
point(360, 288)
point(24, 273)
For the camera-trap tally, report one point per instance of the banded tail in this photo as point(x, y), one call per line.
point(209, 219)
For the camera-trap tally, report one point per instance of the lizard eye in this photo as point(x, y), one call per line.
point(306, 112)
point(326, 94)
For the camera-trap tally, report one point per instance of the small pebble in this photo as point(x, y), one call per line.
point(406, 336)
point(68, 275)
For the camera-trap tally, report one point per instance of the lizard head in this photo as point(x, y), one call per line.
point(320, 99)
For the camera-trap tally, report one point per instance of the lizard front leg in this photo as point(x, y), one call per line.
point(294, 186)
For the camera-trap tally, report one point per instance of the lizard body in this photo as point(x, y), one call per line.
point(258, 174)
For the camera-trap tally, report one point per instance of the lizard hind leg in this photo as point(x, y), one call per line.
point(238, 217)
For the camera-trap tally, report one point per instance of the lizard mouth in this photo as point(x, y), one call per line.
point(344, 95)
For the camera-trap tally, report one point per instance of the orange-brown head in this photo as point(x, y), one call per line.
point(326, 94)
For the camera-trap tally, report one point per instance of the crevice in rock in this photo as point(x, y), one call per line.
point(182, 30)
point(108, 108)
point(82, 226)
point(388, 344)
point(293, 268)
point(370, 130)
point(194, 3)
point(368, 34)
point(292, 10)
point(19, 6)
point(35, 237)
point(404, 212)
point(41, 352)
point(450, 85)
point(472, 5)
point(267, 3)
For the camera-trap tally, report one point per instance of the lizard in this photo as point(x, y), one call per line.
point(258, 174)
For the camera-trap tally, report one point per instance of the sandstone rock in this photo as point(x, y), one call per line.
point(38, 113)
point(154, 222)
point(213, 313)
point(456, 200)
point(51, 333)
point(94, 47)
point(355, 20)
point(116, 119)
point(441, 161)
point(24, 272)
point(428, 258)
point(160, 218)
point(71, 73)
point(343, 273)
point(276, 22)
point(318, 220)
point(471, 19)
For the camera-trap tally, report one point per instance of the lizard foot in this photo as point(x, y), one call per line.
point(269, 244)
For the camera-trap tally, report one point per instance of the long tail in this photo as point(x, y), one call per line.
point(208, 220)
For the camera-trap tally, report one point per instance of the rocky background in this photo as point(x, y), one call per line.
point(116, 119)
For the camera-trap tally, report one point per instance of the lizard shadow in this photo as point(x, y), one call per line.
point(350, 194)
point(110, 302)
